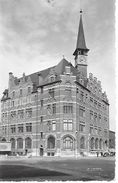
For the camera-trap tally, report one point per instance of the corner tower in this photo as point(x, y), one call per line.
point(81, 51)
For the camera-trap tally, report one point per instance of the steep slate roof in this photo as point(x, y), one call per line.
point(81, 44)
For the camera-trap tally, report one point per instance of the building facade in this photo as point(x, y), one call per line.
point(58, 111)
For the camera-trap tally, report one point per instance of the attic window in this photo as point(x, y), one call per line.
point(67, 69)
point(52, 78)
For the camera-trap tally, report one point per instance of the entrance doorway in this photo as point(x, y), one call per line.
point(41, 151)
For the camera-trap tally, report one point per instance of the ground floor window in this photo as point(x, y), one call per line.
point(82, 142)
point(28, 143)
point(96, 143)
point(100, 143)
point(20, 143)
point(92, 143)
point(68, 142)
point(12, 143)
point(51, 142)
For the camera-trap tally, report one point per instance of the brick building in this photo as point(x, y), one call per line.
point(58, 111)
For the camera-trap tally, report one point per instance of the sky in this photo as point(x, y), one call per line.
point(35, 34)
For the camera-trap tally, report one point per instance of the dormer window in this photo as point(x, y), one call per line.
point(29, 90)
point(67, 69)
point(52, 78)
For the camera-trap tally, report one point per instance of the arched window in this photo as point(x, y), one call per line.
point(92, 143)
point(28, 143)
point(3, 140)
point(12, 143)
point(51, 142)
point(96, 143)
point(68, 142)
point(20, 143)
point(100, 143)
point(82, 142)
point(106, 143)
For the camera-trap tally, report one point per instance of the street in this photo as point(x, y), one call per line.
point(60, 169)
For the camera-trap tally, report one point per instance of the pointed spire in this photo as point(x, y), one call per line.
point(81, 44)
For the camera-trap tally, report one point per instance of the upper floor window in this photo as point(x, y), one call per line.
point(52, 92)
point(91, 100)
point(82, 96)
point(91, 130)
point(99, 105)
point(13, 129)
point(29, 112)
point(21, 92)
point(41, 119)
point(13, 94)
point(12, 104)
point(95, 103)
point(82, 111)
point(20, 128)
point(53, 125)
point(13, 114)
point(67, 125)
point(42, 89)
point(20, 113)
point(68, 108)
point(29, 90)
point(82, 128)
point(42, 103)
point(95, 117)
point(91, 115)
point(54, 108)
point(28, 127)
point(41, 135)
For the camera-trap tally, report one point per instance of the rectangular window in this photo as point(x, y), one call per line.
point(21, 114)
point(99, 105)
point(21, 92)
point(95, 117)
point(41, 103)
point(51, 92)
point(29, 112)
point(41, 135)
point(13, 114)
point(67, 125)
point(91, 115)
point(91, 130)
point(42, 89)
point(20, 128)
point(54, 108)
point(13, 94)
point(29, 90)
point(28, 127)
point(68, 108)
point(99, 131)
point(96, 131)
point(105, 133)
point(13, 129)
point(95, 103)
point(82, 128)
point(91, 100)
point(99, 118)
point(82, 111)
point(41, 119)
point(53, 126)
point(82, 96)
point(12, 104)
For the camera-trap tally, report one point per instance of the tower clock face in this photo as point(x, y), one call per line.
point(82, 60)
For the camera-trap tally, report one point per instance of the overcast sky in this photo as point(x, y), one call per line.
point(35, 34)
